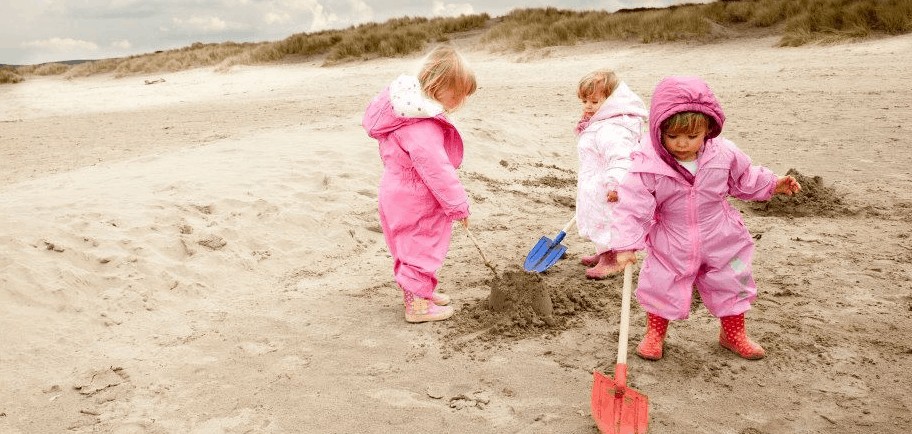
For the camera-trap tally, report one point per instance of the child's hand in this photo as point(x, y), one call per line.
point(613, 196)
point(464, 222)
point(626, 258)
point(787, 185)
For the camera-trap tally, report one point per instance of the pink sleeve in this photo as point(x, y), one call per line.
point(634, 213)
point(424, 143)
point(749, 182)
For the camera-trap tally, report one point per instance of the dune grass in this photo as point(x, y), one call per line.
point(9, 75)
point(796, 22)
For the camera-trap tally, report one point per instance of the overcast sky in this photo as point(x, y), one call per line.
point(38, 31)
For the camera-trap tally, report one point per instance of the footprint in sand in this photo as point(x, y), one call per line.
point(258, 348)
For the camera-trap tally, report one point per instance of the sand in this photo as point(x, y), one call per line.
point(202, 254)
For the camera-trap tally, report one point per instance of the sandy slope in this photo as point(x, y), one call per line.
point(203, 254)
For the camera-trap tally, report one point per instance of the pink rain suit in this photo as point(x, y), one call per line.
point(604, 149)
point(692, 235)
point(420, 194)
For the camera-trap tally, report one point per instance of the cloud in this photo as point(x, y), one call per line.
point(122, 44)
point(61, 44)
point(104, 9)
point(321, 19)
point(441, 9)
point(273, 18)
point(361, 12)
point(197, 24)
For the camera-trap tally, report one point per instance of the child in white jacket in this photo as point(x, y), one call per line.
point(610, 129)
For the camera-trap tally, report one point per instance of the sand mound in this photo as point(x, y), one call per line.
point(526, 304)
point(815, 200)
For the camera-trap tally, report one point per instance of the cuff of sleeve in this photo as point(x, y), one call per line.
point(459, 212)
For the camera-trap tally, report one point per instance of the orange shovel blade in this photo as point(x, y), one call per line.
point(616, 408)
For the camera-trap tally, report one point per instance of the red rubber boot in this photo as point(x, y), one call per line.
point(733, 337)
point(650, 348)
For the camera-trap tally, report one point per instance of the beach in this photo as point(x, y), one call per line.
point(203, 254)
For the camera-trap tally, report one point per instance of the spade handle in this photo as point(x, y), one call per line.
point(625, 315)
point(481, 252)
point(570, 223)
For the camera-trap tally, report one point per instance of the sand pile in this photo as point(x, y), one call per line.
point(524, 304)
point(815, 200)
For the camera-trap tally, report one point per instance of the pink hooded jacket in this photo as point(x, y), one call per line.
point(420, 194)
point(692, 234)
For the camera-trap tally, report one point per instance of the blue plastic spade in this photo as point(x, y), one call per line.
point(547, 252)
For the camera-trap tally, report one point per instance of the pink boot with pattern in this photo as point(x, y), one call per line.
point(733, 337)
point(418, 309)
point(650, 348)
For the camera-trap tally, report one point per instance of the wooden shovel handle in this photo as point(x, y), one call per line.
point(625, 315)
point(570, 223)
point(477, 246)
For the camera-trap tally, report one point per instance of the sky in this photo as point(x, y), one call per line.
point(39, 31)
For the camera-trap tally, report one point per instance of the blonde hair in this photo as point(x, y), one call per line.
point(444, 68)
point(601, 82)
point(686, 123)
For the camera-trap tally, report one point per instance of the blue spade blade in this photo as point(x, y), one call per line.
point(551, 258)
point(545, 253)
point(537, 253)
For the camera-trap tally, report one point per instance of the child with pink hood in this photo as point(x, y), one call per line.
point(420, 194)
point(674, 203)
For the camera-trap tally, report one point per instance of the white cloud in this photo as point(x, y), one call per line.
point(442, 9)
point(273, 18)
point(122, 44)
point(361, 12)
point(200, 24)
point(61, 44)
point(322, 20)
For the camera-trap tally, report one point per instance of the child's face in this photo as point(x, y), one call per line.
point(591, 104)
point(684, 146)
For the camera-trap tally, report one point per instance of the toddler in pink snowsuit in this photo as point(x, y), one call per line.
point(674, 203)
point(610, 129)
point(420, 194)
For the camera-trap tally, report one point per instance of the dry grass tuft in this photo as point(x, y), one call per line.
point(9, 76)
point(798, 22)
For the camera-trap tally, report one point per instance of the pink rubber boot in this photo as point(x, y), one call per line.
point(650, 348)
point(606, 266)
point(733, 337)
point(419, 309)
point(590, 261)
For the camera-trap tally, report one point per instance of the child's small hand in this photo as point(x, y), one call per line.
point(787, 185)
point(613, 196)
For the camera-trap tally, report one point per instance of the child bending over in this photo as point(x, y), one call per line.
point(420, 194)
